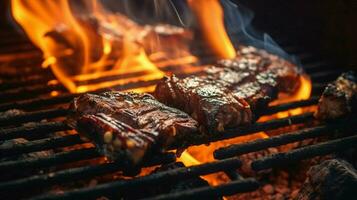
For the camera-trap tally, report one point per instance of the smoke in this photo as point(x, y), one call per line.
point(238, 21)
point(173, 12)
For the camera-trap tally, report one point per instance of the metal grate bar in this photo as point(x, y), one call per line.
point(296, 155)
point(22, 82)
point(21, 73)
point(38, 102)
point(41, 89)
point(40, 145)
point(52, 160)
point(260, 144)
point(233, 187)
point(157, 178)
point(33, 116)
point(233, 175)
point(74, 174)
point(28, 92)
point(33, 129)
point(265, 126)
point(62, 141)
point(287, 106)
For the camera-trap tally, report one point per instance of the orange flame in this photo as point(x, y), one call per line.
point(209, 14)
point(302, 93)
point(76, 46)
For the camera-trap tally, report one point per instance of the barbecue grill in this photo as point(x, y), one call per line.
point(44, 101)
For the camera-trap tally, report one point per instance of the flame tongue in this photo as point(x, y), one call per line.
point(77, 45)
point(95, 41)
point(209, 15)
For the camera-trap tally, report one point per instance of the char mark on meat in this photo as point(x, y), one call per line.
point(116, 139)
point(131, 125)
point(233, 91)
point(339, 98)
point(207, 101)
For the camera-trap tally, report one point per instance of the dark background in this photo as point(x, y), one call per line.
point(325, 26)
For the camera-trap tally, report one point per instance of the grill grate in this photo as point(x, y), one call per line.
point(274, 141)
point(31, 92)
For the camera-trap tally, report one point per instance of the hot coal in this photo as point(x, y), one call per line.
point(332, 179)
point(247, 159)
point(131, 125)
point(232, 92)
point(339, 98)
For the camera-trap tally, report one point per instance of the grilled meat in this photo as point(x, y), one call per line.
point(207, 101)
point(257, 76)
point(116, 139)
point(339, 98)
point(131, 125)
point(232, 91)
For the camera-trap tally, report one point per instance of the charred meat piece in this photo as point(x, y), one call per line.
point(207, 101)
point(253, 61)
point(116, 139)
point(258, 92)
point(257, 88)
point(339, 98)
point(232, 92)
point(131, 124)
point(258, 74)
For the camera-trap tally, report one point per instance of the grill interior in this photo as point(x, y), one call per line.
point(28, 87)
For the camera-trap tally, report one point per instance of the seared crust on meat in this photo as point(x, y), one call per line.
point(132, 115)
point(232, 91)
point(115, 139)
point(207, 101)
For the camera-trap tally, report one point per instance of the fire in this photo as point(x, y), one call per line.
point(89, 42)
point(209, 15)
point(196, 155)
point(97, 44)
point(76, 46)
point(302, 93)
